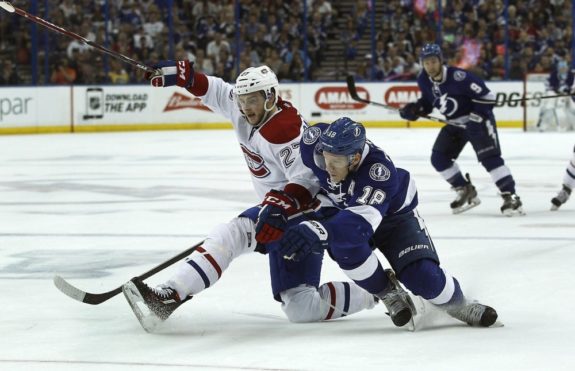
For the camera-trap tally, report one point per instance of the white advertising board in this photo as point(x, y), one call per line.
point(137, 107)
point(25, 107)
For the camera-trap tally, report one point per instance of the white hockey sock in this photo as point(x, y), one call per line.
point(344, 298)
point(569, 177)
point(333, 300)
point(200, 270)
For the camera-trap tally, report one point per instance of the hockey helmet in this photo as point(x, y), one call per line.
point(343, 137)
point(430, 50)
point(254, 79)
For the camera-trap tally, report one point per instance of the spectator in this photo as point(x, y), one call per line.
point(118, 74)
point(63, 73)
point(9, 76)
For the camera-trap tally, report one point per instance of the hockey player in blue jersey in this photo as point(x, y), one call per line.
point(376, 208)
point(466, 102)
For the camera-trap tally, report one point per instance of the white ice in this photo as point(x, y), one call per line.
point(101, 208)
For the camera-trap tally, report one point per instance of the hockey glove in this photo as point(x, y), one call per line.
point(411, 111)
point(170, 73)
point(273, 217)
point(305, 238)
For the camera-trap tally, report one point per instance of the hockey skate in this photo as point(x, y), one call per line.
point(561, 198)
point(512, 204)
point(474, 314)
point(466, 197)
point(151, 305)
point(397, 301)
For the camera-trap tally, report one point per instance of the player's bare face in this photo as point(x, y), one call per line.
point(432, 66)
point(337, 166)
point(252, 105)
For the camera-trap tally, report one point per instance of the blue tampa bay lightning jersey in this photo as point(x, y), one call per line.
point(458, 94)
point(376, 189)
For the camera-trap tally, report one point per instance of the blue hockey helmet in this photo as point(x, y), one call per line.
point(430, 50)
point(343, 137)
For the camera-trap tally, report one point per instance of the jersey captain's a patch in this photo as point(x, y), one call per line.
point(379, 172)
point(311, 134)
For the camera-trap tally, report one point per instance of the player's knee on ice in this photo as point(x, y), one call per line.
point(303, 304)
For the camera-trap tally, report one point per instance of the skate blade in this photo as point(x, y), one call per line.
point(145, 316)
point(418, 312)
point(497, 324)
point(466, 207)
point(554, 207)
point(517, 212)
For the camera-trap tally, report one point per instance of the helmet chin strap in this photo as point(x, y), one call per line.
point(267, 111)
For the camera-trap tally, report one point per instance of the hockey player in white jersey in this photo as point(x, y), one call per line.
point(568, 185)
point(268, 130)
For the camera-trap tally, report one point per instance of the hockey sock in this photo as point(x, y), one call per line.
point(200, 270)
point(368, 274)
point(500, 174)
point(427, 279)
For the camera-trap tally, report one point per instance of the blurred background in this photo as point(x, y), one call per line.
point(302, 40)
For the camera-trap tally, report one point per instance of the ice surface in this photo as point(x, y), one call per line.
point(101, 208)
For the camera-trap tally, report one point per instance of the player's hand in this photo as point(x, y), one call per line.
point(170, 73)
point(411, 111)
point(303, 239)
point(273, 217)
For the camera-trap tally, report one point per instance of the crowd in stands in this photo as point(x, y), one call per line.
point(273, 32)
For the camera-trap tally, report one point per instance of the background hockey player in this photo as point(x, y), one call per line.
point(268, 130)
point(464, 99)
point(568, 185)
point(377, 206)
point(558, 113)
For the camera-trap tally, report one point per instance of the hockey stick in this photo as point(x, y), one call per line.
point(353, 93)
point(95, 299)
point(12, 9)
point(521, 99)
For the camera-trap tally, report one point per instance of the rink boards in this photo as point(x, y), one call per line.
point(141, 107)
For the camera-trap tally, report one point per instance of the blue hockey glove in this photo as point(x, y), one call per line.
point(170, 73)
point(411, 111)
point(273, 217)
point(303, 239)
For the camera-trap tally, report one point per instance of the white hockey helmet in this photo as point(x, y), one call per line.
point(254, 79)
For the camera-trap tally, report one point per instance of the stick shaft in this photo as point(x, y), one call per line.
point(75, 36)
point(353, 93)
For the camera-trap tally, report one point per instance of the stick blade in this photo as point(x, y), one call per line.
point(73, 292)
point(7, 6)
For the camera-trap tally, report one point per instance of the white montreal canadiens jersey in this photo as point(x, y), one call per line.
point(271, 150)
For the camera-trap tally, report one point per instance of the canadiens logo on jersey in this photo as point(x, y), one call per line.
point(379, 172)
point(256, 163)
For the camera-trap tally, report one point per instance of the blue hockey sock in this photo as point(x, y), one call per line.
point(427, 279)
point(369, 274)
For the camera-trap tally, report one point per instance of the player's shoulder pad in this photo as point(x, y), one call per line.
point(457, 73)
point(284, 127)
point(379, 172)
point(311, 134)
point(377, 166)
